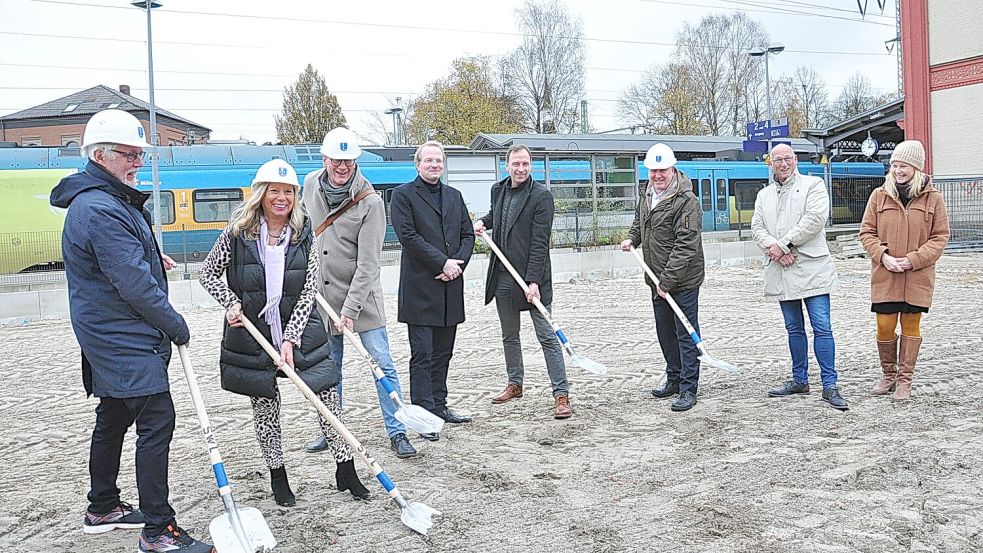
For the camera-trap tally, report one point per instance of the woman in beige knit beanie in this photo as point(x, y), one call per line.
point(904, 230)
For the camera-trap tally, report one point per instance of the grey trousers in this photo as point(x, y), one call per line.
point(552, 350)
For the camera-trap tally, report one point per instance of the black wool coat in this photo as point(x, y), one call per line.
point(528, 245)
point(429, 237)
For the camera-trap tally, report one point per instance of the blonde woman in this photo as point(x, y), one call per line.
point(905, 229)
point(271, 266)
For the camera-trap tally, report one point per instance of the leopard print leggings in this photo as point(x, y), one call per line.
point(266, 420)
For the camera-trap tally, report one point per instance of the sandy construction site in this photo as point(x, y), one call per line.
point(738, 473)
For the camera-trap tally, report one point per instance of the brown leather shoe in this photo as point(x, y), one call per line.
point(562, 410)
point(512, 391)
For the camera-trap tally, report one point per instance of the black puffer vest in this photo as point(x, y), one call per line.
point(245, 367)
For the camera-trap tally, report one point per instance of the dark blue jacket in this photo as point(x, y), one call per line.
point(117, 289)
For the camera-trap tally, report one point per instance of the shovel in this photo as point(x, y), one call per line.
point(705, 356)
point(576, 360)
point(415, 515)
point(240, 529)
point(415, 418)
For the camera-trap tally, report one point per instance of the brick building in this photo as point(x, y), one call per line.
point(61, 122)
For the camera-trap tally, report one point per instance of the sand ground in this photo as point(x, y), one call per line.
point(739, 473)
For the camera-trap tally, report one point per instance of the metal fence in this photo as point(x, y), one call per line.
point(964, 205)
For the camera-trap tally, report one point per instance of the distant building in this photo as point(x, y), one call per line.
point(60, 122)
point(942, 61)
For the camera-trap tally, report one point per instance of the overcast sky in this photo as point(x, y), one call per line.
point(224, 63)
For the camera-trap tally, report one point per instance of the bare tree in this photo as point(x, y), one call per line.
point(802, 98)
point(856, 97)
point(662, 102)
point(382, 127)
point(310, 110)
point(728, 84)
point(547, 72)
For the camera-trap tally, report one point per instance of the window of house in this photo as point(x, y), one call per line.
point(70, 107)
point(30, 141)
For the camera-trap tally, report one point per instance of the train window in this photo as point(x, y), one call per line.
point(745, 192)
point(705, 195)
point(211, 206)
point(166, 207)
point(721, 195)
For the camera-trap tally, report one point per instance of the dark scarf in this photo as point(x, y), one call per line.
point(334, 196)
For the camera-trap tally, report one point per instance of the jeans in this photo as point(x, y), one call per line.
point(552, 350)
point(154, 417)
point(431, 349)
point(376, 342)
point(822, 339)
point(682, 357)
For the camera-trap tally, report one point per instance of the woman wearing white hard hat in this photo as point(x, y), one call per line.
point(268, 256)
point(904, 230)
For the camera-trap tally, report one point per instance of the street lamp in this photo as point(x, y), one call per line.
point(773, 48)
point(154, 140)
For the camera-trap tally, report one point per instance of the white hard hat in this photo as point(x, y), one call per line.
point(276, 170)
point(341, 143)
point(659, 156)
point(114, 126)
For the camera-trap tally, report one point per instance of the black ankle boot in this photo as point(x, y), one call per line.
point(347, 479)
point(281, 488)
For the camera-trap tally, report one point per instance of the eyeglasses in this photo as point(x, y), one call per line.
point(130, 157)
point(340, 162)
point(786, 159)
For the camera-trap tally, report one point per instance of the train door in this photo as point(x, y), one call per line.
point(713, 188)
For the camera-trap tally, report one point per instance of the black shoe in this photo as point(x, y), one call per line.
point(832, 396)
point(281, 488)
point(316, 445)
point(347, 479)
point(790, 387)
point(452, 417)
point(430, 436)
point(402, 446)
point(668, 389)
point(684, 402)
point(121, 516)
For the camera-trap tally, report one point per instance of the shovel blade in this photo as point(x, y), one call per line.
point(418, 419)
point(257, 533)
point(418, 517)
point(711, 361)
point(588, 364)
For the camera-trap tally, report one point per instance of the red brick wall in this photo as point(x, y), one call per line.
point(53, 135)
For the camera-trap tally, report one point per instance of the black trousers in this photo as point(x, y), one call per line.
point(431, 349)
point(682, 357)
point(154, 417)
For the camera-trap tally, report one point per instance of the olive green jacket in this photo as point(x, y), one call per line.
point(671, 237)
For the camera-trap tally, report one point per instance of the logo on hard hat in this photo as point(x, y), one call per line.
point(140, 131)
point(343, 146)
point(658, 159)
point(282, 171)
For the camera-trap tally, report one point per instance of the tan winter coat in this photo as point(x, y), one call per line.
point(919, 233)
point(350, 252)
point(794, 216)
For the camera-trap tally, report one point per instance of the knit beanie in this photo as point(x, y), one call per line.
point(911, 152)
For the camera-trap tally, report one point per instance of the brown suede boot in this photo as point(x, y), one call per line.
point(907, 355)
point(511, 391)
point(889, 365)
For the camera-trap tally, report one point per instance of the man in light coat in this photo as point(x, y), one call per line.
point(351, 247)
point(789, 226)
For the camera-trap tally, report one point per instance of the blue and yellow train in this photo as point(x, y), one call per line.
point(201, 185)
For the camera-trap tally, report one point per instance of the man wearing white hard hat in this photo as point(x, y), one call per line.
point(124, 324)
point(667, 227)
point(350, 223)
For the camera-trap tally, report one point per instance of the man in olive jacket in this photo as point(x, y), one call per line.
point(434, 229)
point(521, 221)
point(667, 227)
point(351, 248)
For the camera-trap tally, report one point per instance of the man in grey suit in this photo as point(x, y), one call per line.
point(521, 221)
